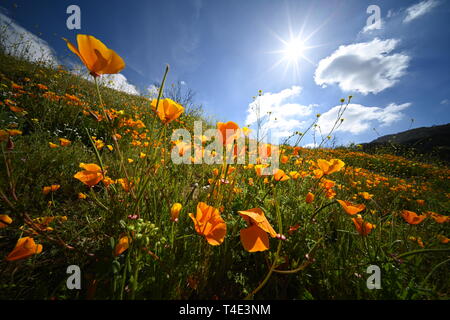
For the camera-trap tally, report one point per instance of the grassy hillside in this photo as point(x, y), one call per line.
point(424, 143)
point(123, 235)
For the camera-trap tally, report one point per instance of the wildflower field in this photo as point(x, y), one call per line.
point(87, 179)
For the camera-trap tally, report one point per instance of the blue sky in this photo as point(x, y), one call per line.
point(227, 50)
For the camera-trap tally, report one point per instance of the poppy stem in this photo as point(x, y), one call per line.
point(272, 269)
point(114, 136)
point(304, 264)
point(277, 254)
point(321, 208)
point(160, 93)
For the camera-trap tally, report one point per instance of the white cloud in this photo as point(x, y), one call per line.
point(153, 91)
point(445, 101)
point(118, 82)
point(285, 117)
point(359, 118)
point(114, 81)
point(21, 43)
point(311, 145)
point(365, 67)
point(419, 9)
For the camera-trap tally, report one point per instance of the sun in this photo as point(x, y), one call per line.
point(293, 53)
point(294, 50)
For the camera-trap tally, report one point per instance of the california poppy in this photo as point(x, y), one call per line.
point(412, 217)
point(96, 56)
point(329, 167)
point(439, 218)
point(443, 239)
point(124, 244)
point(228, 132)
point(64, 142)
point(52, 188)
point(91, 175)
point(209, 224)
point(5, 220)
point(260, 169)
point(175, 211)
point(363, 227)
point(294, 228)
point(25, 247)
point(167, 110)
point(309, 197)
point(280, 175)
point(351, 208)
point(366, 195)
point(255, 238)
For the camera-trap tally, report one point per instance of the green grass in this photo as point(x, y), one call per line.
point(168, 260)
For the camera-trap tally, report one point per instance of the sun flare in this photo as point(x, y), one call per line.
point(294, 50)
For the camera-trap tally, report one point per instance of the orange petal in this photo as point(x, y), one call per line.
point(256, 216)
point(254, 239)
point(75, 50)
point(5, 220)
point(115, 64)
point(25, 247)
point(95, 54)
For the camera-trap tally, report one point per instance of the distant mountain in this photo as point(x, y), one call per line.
point(426, 140)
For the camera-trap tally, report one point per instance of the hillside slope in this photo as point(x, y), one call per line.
point(433, 140)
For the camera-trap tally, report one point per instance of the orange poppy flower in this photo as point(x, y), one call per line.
point(25, 247)
point(175, 211)
point(228, 132)
point(125, 184)
point(260, 169)
point(363, 228)
point(351, 208)
point(366, 195)
point(209, 224)
point(167, 110)
point(5, 221)
point(294, 228)
point(64, 142)
point(329, 167)
point(52, 188)
point(412, 217)
point(439, 218)
point(91, 175)
point(309, 197)
point(280, 175)
point(443, 239)
point(96, 56)
point(124, 244)
point(420, 202)
point(255, 238)
point(318, 173)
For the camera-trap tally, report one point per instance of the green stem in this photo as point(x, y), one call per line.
point(277, 254)
point(410, 253)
